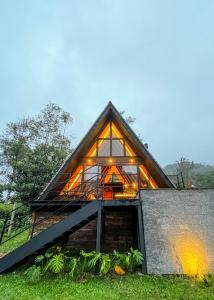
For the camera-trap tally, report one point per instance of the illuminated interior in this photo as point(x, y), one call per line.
point(110, 170)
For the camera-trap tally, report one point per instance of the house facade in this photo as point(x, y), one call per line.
point(111, 194)
point(110, 165)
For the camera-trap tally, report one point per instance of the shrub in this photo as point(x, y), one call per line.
point(57, 262)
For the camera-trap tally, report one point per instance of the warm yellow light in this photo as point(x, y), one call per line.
point(110, 160)
point(89, 160)
point(191, 254)
point(125, 195)
point(125, 185)
point(134, 185)
point(131, 160)
point(73, 180)
point(151, 180)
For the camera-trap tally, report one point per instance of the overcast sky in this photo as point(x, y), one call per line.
point(153, 59)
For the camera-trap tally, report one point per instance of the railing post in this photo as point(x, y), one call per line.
point(12, 217)
point(3, 229)
point(182, 178)
point(33, 227)
point(97, 185)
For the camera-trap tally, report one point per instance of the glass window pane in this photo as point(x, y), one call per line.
point(103, 147)
point(130, 169)
point(117, 148)
point(91, 173)
point(129, 151)
point(130, 175)
point(106, 132)
point(115, 132)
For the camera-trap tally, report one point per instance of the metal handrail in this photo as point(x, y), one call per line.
point(97, 188)
point(47, 201)
point(35, 223)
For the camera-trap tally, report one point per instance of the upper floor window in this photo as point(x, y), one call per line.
point(111, 143)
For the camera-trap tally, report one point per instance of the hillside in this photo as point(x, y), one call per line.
point(200, 175)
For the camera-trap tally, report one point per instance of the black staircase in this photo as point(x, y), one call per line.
point(50, 236)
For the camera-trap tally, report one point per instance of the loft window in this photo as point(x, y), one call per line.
point(117, 147)
point(110, 143)
point(103, 147)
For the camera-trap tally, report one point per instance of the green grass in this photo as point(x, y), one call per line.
point(15, 286)
point(14, 242)
point(6, 207)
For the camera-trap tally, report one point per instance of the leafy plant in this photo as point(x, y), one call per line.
point(88, 260)
point(105, 264)
point(34, 273)
point(134, 259)
point(119, 259)
point(73, 266)
point(94, 259)
point(56, 263)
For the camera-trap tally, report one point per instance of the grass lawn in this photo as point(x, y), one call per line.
point(13, 243)
point(15, 286)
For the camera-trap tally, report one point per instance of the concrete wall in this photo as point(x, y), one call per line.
point(179, 230)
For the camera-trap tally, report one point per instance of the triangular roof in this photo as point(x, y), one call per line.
point(109, 113)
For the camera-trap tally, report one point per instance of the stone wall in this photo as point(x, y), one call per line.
point(179, 230)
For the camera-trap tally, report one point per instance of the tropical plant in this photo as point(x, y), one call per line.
point(73, 266)
point(56, 263)
point(34, 273)
point(105, 264)
point(119, 259)
point(134, 258)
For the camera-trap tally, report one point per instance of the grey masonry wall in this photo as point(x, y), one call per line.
point(178, 229)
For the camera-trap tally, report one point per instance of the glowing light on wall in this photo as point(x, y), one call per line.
point(191, 254)
point(149, 179)
point(73, 181)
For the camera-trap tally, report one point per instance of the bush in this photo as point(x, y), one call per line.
point(21, 215)
point(56, 262)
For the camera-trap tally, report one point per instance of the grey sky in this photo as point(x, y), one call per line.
point(154, 59)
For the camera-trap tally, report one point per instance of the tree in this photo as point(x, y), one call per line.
point(129, 119)
point(31, 151)
point(204, 180)
point(185, 166)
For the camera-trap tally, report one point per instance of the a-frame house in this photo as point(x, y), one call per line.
point(93, 202)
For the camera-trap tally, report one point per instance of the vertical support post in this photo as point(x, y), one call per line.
point(12, 217)
point(3, 229)
point(99, 228)
point(33, 225)
point(182, 178)
point(141, 239)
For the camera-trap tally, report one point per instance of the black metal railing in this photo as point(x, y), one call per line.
point(177, 180)
point(94, 188)
point(7, 223)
